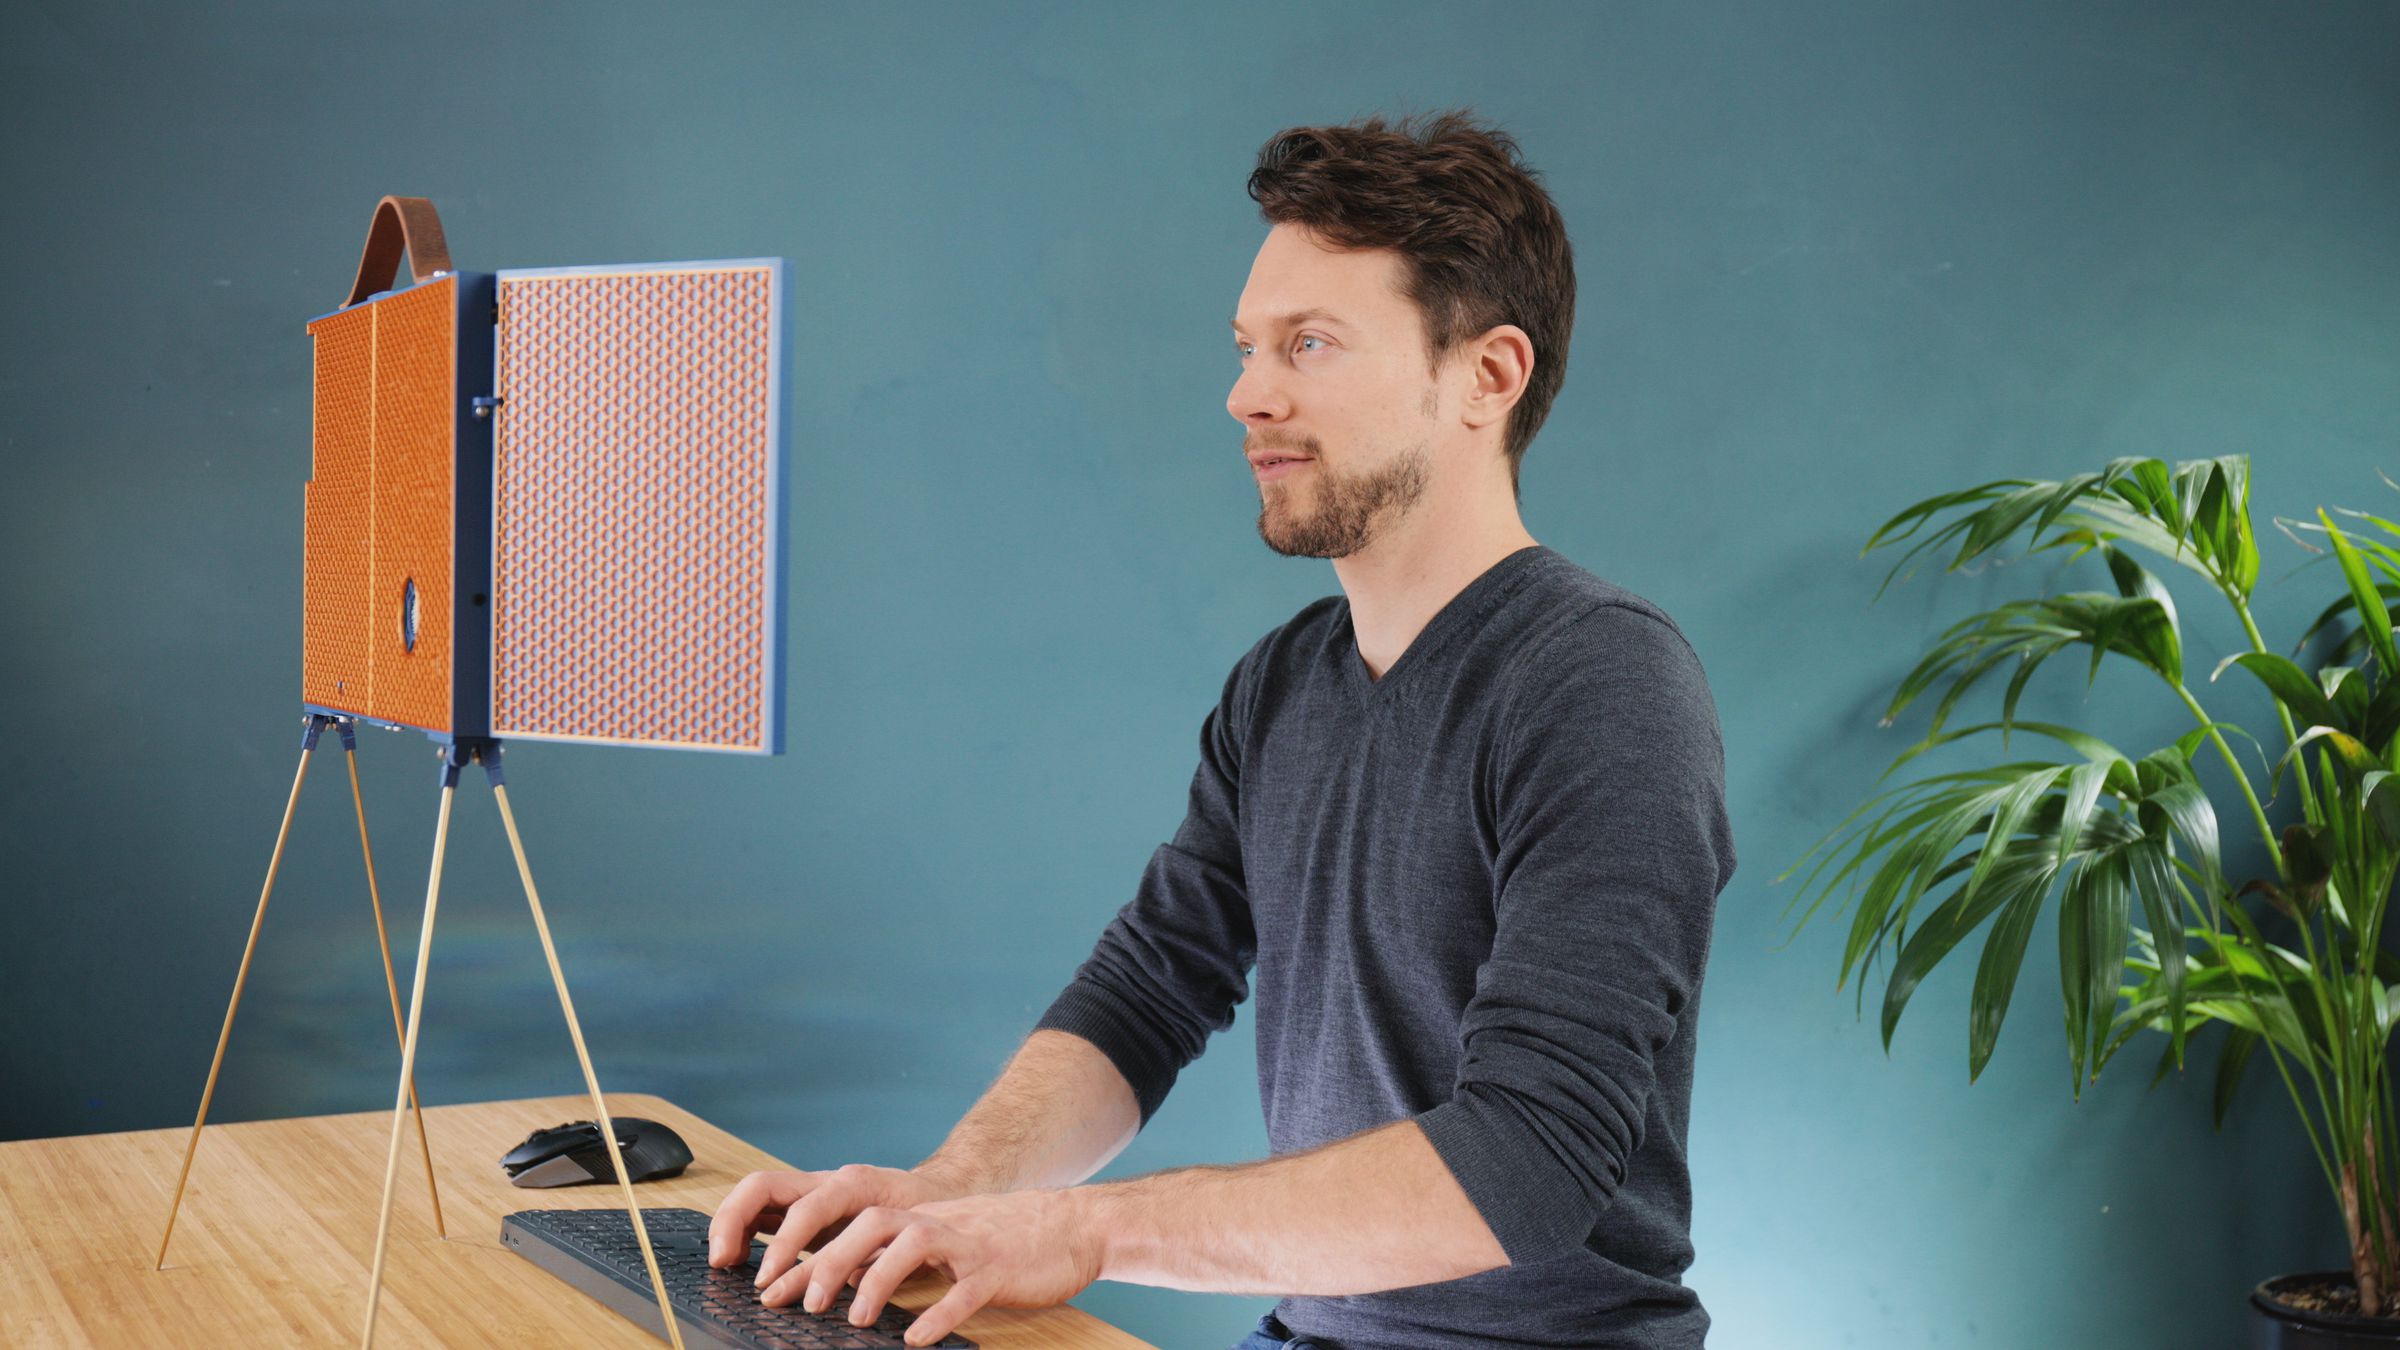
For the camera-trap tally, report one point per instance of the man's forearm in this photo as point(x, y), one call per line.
point(1057, 1114)
point(1379, 1210)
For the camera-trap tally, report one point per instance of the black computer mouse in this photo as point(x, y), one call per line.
point(574, 1154)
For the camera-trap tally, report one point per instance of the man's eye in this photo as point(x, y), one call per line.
point(1242, 349)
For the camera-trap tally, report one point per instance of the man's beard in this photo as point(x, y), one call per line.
point(1350, 508)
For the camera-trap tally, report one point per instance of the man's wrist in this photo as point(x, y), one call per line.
point(956, 1180)
point(1100, 1214)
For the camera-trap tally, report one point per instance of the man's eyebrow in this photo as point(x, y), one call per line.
point(1299, 316)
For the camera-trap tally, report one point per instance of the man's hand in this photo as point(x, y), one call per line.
point(1023, 1249)
point(797, 1206)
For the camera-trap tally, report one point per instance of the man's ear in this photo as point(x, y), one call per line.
point(1500, 362)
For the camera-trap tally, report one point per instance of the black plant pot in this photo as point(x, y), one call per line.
point(2279, 1326)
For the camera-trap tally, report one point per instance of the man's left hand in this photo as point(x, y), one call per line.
point(1021, 1249)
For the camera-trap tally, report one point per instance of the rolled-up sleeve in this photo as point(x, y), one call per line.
point(1169, 970)
point(1613, 845)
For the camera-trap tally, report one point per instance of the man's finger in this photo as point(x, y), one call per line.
point(947, 1312)
point(825, 1272)
point(814, 1220)
point(743, 1208)
point(900, 1258)
point(733, 1212)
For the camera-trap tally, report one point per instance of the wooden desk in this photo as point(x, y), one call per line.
point(278, 1228)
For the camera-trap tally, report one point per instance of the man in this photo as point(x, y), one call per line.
point(1466, 820)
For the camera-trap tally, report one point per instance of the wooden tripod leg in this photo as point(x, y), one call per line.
point(591, 1080)
point(391, 985)
point(274, 861)
point(408, 1054)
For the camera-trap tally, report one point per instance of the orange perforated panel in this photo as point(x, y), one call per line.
point(635, 484)
point(378, 508)
point(339, 528)
point(416, 350)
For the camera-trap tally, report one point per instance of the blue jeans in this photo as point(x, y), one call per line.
point(1274, 1335)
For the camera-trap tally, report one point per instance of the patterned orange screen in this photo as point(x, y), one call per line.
point(635, 482)
point(416, 349)
point(379, 509)
point(334, 663)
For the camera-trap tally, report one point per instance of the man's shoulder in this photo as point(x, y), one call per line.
point(1279, 656)
point(1568, 618)
point(1297, 638)
point(1604, 669)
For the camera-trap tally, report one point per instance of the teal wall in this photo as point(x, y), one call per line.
point(1833, 259)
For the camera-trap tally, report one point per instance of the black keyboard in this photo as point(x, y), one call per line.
point(594, 1250)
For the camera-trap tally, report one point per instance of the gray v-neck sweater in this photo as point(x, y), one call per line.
point(1477, 893)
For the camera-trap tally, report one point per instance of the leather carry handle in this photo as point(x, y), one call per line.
point(402, 224)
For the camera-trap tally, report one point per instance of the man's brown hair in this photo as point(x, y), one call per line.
point(1480, 239)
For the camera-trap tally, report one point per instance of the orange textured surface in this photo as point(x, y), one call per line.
point(416, 352)
point(339, 533)
point(379, 508)
point(634, 494)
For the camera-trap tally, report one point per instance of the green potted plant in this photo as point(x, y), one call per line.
point(2153, 934)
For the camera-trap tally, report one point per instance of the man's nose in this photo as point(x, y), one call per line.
point(1257, 399)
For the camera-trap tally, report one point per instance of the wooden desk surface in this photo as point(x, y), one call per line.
point(278, 1229)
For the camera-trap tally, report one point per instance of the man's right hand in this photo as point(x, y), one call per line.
point(796, 1207)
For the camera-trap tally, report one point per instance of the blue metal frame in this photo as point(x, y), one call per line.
point(780, 467)
point(471, 511)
